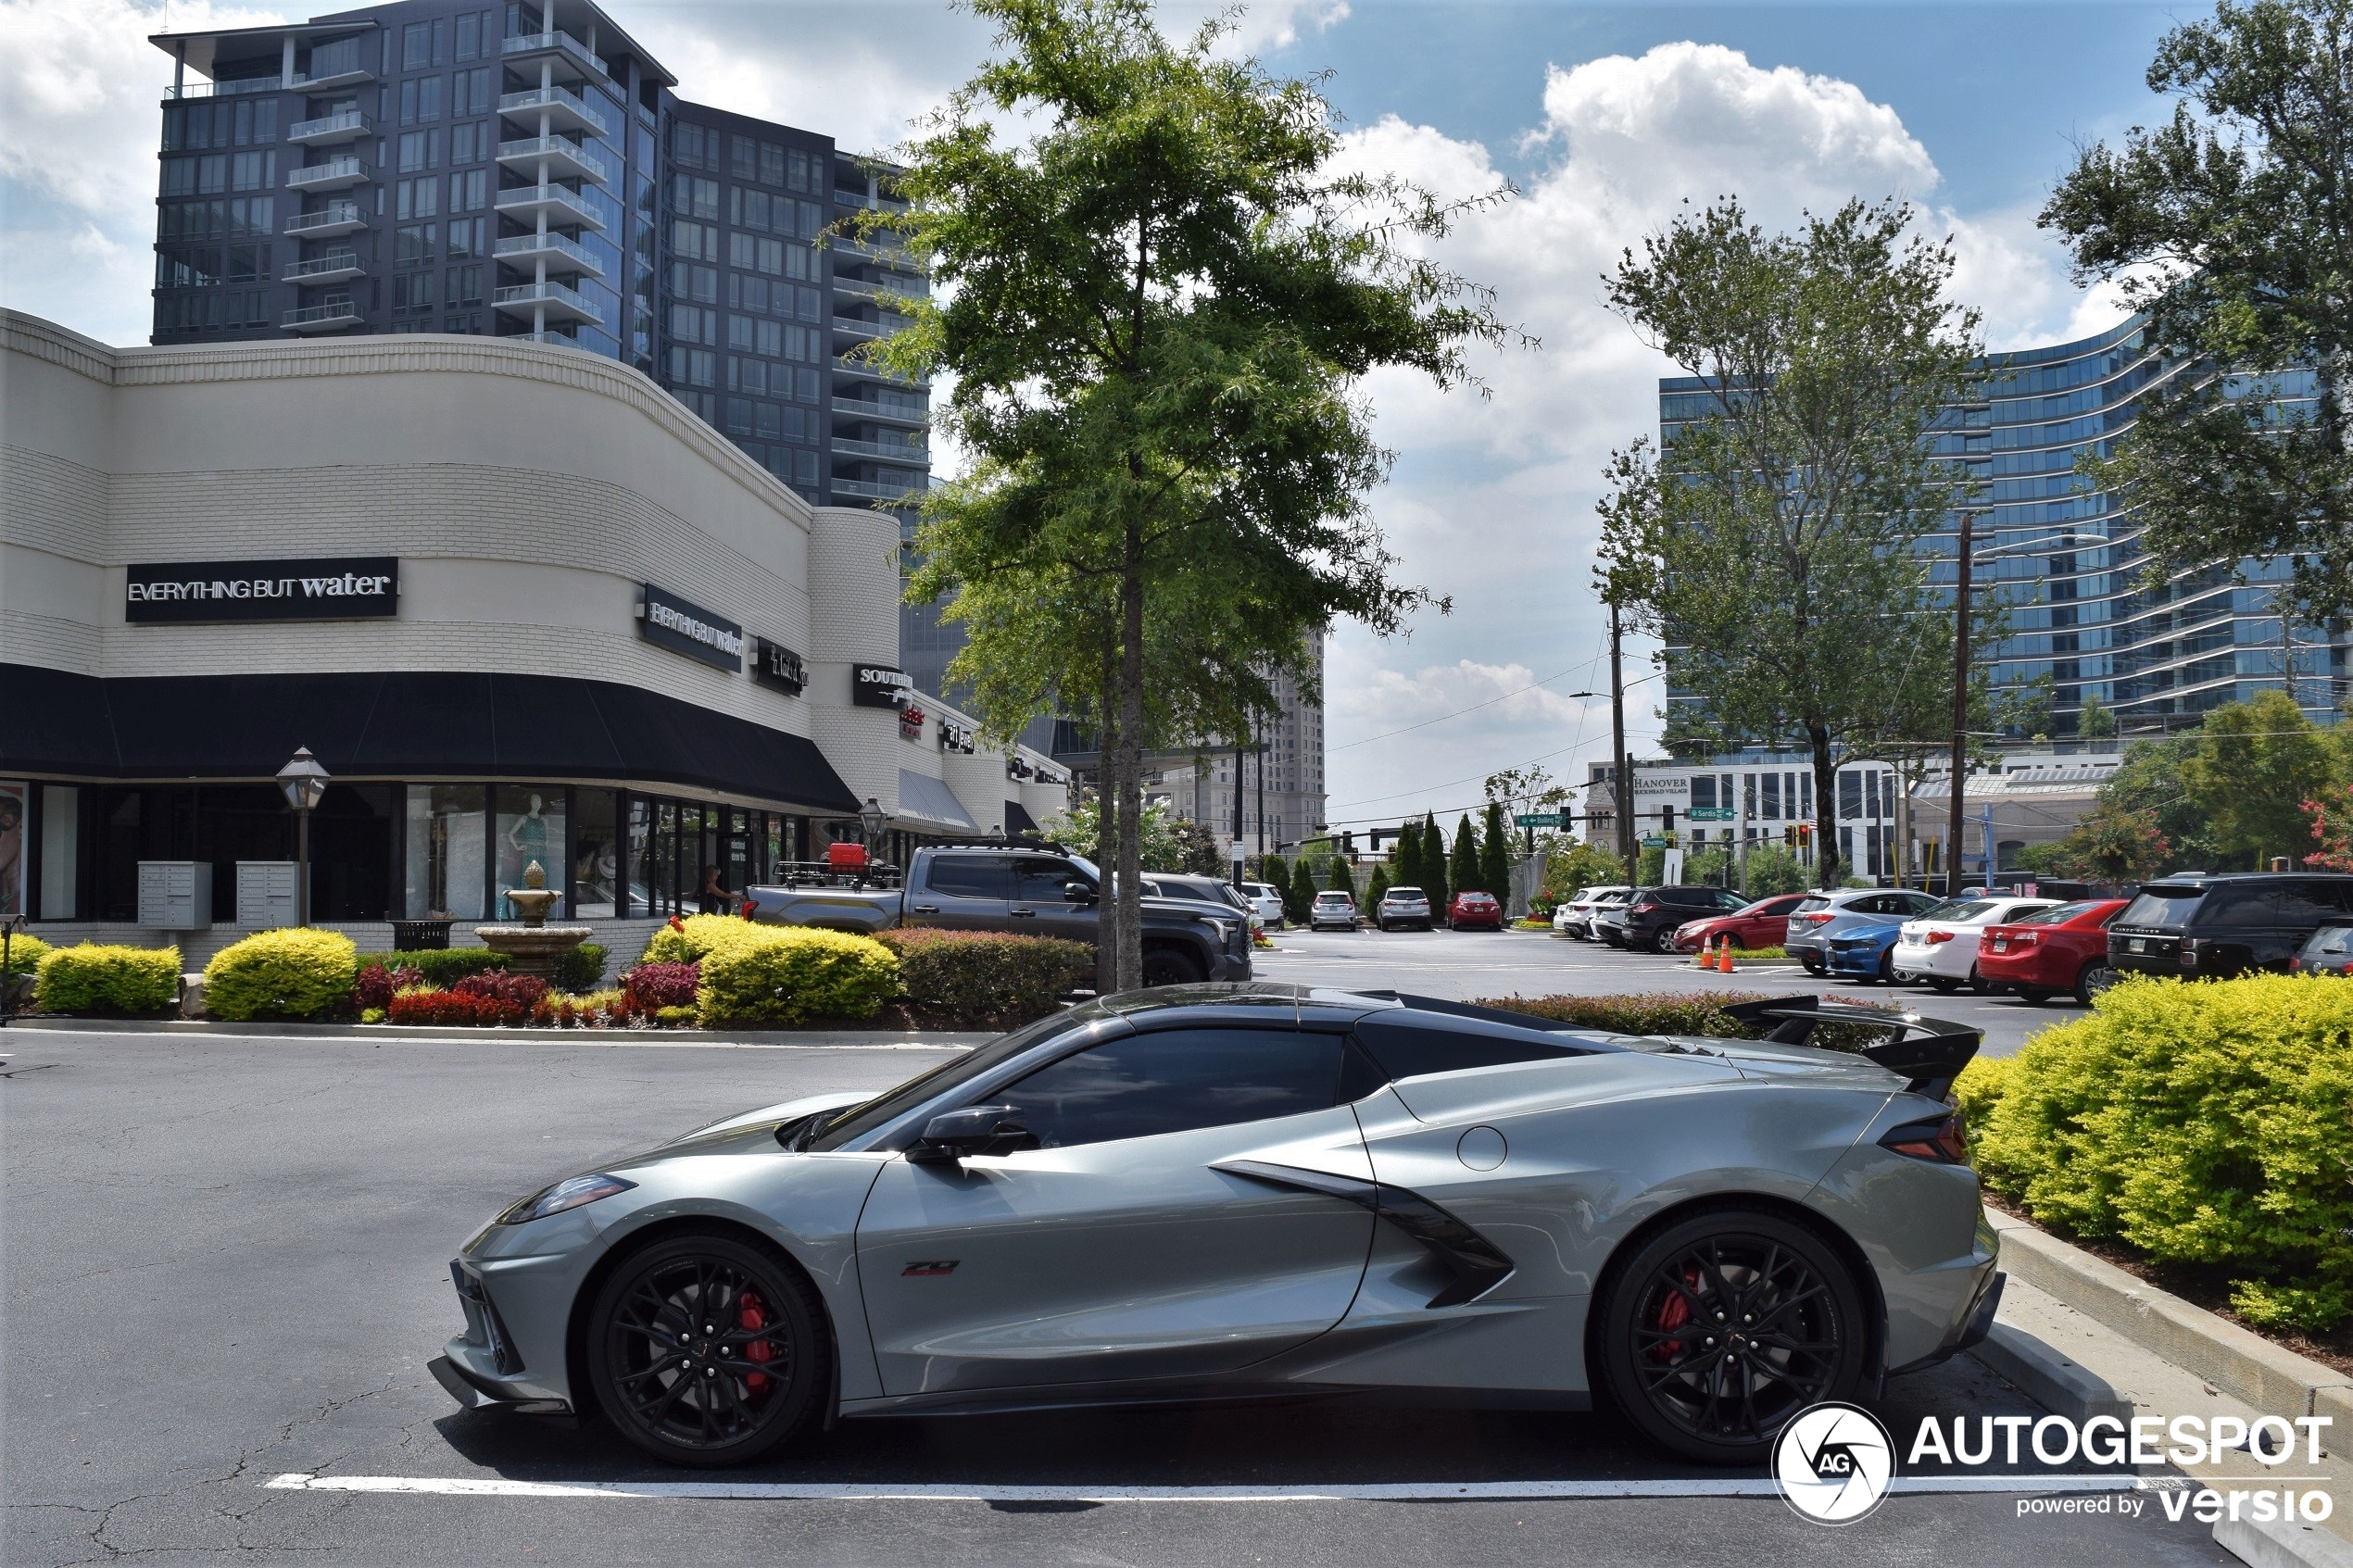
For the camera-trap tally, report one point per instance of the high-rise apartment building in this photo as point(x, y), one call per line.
point(2067, 561)
point(1281, 799)
point(530, 170)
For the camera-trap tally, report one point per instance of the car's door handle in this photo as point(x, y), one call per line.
point(1021, 911)
point(923, 909)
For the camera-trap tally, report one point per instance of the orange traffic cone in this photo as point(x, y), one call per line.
point(1725, 962)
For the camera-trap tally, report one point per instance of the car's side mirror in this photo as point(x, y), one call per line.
point(1077, 892)
point(980, 1129)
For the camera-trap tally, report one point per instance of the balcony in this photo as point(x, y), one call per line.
point(336, 174)
point(351, 77)
point(858, 327)
point(913, 484)
point(335, 315)
point(565, 110)
point(561, 303)
point(561, 255)
point(889, 451)
point(566, 50)
point(898, 411)
point(329, 130)
point(525, 203)
point(336, 217)
point(334, 269)
point(884, 292)
point(856, 370)
point(563, 158)
point(879, 256)
point(224, 89)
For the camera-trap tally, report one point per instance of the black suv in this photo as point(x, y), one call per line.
point(2217, 926)
point(1653, 914)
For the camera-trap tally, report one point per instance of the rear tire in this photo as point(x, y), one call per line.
point(2096, 977)
point(1663, 942)
point(1943, 986)
point(1814, 966)
point(2033, 996)
point(1978, 983)
point(1166, 966)
point(764, 1357)
point(1717, 1330)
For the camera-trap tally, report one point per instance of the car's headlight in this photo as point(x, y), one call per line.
point(570, 1193)
point(1225, 929)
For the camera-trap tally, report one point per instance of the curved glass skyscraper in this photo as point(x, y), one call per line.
point(2066, 560)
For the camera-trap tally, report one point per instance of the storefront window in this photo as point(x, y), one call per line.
point(15, 814)
point(529, 828)
point(596, 854)
point(665, 858)
point(60, 846)
point(641, 836)
point(447, 851)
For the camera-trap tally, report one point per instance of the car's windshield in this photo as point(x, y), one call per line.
point(1959, 909)
point(2164, 904)
point(859, 1120)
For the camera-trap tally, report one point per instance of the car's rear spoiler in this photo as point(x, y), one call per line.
point(1927, 1053)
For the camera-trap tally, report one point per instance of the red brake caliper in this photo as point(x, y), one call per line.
point(1673, 1314)
point(752, 1319)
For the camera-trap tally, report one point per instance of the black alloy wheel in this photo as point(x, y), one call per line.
point(709, 1352)
point(1722, 1327)
point(1166, 966)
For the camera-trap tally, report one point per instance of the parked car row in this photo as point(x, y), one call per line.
point(1405, 909)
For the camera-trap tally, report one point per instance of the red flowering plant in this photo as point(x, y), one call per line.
point(649, 988)
point(2331, 817)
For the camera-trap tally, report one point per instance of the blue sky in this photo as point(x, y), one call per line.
point(1606, 116)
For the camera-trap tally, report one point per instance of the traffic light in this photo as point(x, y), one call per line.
point(1348, 844)
point(1789, 838)
point(1806, 835)
point(1667, 822)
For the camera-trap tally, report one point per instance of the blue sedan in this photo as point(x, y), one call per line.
point(1864, 949)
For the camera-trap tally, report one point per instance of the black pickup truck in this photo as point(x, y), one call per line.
point(1031, 892)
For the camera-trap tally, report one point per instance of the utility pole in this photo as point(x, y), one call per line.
point(1260, 750)
point(1239, 799)
point(1622, 778)
point(1960, 712)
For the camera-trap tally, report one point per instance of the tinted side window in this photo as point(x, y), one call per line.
point(1415, 1044)
point(2238, 908)
point(2307, 903)
point(1174, 1081)
point(1041, 880)
point(972, 876)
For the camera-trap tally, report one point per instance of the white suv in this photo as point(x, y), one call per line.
point(1574, 917)
point(1267, 902)
point(1333, 911)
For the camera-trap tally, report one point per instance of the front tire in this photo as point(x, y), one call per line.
point(1814, 966)
point(1164, 966)
point(708, 1351)
point(1722, 1327)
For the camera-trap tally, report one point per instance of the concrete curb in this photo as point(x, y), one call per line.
point(2057, 1384)
point(812, 1038)
point(2283, 1546)
point(2242, 1362)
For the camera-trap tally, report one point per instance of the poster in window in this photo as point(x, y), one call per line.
point(13, 796)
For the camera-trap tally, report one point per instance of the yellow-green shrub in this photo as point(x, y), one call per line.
point(297, 972)
point(697, 934)
point(25, 953)
point(1980, 1088)
point(2202, 1123)
point(775, 974)
point(88, 977)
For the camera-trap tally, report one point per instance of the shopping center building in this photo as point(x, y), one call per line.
point(520, 602)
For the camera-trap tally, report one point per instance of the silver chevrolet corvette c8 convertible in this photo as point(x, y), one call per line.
point(1220, 1191)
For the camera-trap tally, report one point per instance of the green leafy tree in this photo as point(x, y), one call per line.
point(1338, 877)
point(1434, 879)
point(1376, 888)
point(1462, 865)
point(2227, 224)
point(1580, 865)
point(1196, 850)
point(1770, 870)
point(1495, 854)
point(1650, 867)
point(1776, 539)
point(1271, 871)
point(1158, 310)
point(2095, 720)
point(1299, 896)
point(1409, 854)
point(1081, 828)
point(2255, 765)
point(2112, 844)
point(2150, 777)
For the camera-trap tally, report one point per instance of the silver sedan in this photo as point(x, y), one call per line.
point(1244, 1190)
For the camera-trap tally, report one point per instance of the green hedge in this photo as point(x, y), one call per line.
point(442, 967)
point(91, 978)
point(295, 974)
point(2200, 1122)
point(775, 974)
point(984, 979)
point(25, 953)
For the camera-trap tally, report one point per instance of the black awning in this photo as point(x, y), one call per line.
point(1018, 821)
point(416, 724)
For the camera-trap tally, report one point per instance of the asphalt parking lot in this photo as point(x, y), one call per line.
point(226, 1263)
point(1460, 965)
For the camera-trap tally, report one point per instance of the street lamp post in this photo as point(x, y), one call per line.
point(304, 782)
point(872, 820)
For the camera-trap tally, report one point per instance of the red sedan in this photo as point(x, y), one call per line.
point(1761, 925)
point(1469, 912)
point(2060, 948)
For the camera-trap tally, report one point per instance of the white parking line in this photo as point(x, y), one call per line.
point(1471, 1492)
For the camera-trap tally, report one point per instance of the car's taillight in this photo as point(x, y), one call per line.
point(1815, 918)
point(1942, 1142)
point(1934, 936)
point(2294, 965)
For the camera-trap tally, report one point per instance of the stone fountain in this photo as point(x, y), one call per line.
point(533, 947)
